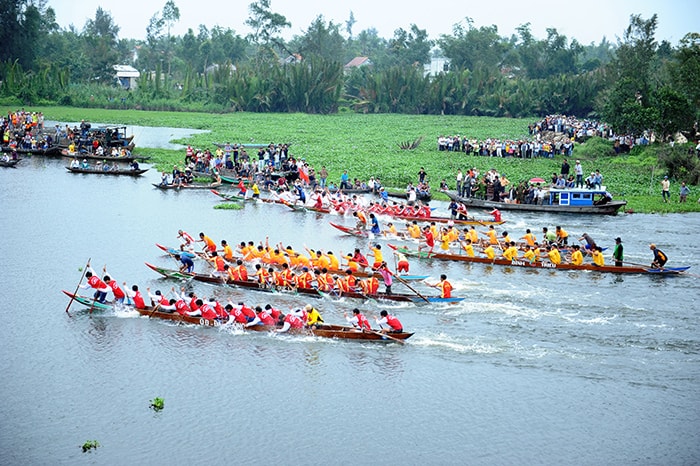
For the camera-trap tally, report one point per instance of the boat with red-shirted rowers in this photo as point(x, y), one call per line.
point(627, 269)
point(312, 292)
point(323, 330)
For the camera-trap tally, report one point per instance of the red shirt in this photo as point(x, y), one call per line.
point(118, 293)
point(239, 316)
point(96, 283)
point(208, 312)
point(138, 301)
point(362, 322)
point(181, 307)
point(266, 318)
point(294, 321)
point(429, 239)
point(394, 323)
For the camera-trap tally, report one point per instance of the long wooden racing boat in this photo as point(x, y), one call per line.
point(562, 201)
point(342, 332)
point(538, 264)
point(111, 171)
point(312, 292)
point(359, 274)
point(230, 197)
point(185, 187)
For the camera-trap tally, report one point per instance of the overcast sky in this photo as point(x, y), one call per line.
point(587, 21)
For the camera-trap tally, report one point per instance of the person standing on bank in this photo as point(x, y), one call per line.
point(665, 189)
point(618, 252)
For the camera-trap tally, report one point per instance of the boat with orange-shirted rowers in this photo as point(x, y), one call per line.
point(341, 332)
point(538, 264)
point(356, 273)
point(312, 292)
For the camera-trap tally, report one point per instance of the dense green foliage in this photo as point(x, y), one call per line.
point(368, 145)
point(637, 85)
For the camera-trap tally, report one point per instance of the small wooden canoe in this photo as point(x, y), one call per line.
point(111, 171)
point(8, 163)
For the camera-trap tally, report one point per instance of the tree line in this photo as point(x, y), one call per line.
point(635, 85)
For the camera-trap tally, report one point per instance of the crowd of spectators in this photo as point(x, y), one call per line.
point(553, 135)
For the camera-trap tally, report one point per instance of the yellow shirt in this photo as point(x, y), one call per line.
point(529, 255)
point(493, 238)
point(333, 261)
point(490, 252)
point(554, 256)
point(414, 231)
point(378, 256)
point(473, 235)
point(577, 258)
point(469, 249)
point(529, 239)
point(228, 252)
point(511, 253)
point(598, 258)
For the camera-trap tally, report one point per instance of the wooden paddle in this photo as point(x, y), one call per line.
point(386, 335)
point(77, 287)
point(155, 308)
point(398, 277)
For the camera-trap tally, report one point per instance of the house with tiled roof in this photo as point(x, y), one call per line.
point(357, 62)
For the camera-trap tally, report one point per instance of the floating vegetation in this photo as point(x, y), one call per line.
point(157, 404)
point(229, 206)
point(90, 445)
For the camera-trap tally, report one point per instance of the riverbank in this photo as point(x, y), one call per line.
point(369, 145)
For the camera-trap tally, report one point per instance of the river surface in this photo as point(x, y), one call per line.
point(533, 367)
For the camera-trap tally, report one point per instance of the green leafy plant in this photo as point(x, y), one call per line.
point(229, 206)
point(90, 445)
point(157, 404)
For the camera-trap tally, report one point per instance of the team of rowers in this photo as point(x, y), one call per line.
point(342, 203)
point(189, 304)
point(286, 268)
point(490, 244)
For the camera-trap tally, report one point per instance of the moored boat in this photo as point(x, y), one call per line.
point(49, 151)
point(108, 158)
point(562, 201)
point(111, 171)
point(9, 163)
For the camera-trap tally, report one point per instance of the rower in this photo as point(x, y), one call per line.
point(660, 258)
point(391, 321)
point(358, 320)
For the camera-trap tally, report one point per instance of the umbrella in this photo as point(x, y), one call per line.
point(537, 180)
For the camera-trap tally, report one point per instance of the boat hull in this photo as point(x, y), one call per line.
point(611, 208)
point(323, 330)
point(538, 264)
